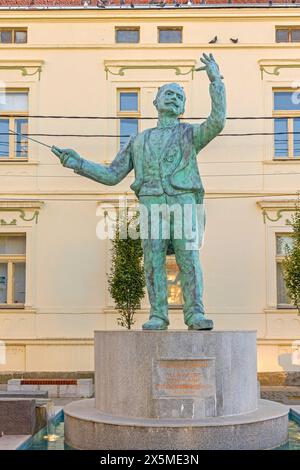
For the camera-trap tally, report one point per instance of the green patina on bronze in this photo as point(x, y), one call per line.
point(166, 172)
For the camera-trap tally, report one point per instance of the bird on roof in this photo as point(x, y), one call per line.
point(214, 40)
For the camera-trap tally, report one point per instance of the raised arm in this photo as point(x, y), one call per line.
point(214, 124)
point(108, 175)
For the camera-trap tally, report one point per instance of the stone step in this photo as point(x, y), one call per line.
point(24, 394)
point(283, 394)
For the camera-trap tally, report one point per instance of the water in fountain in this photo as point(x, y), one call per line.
point(51, 431)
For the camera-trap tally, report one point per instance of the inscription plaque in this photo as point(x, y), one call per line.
point(184, 378)
point(184, 388)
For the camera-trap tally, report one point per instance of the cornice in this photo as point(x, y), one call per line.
point(275, 204)
point(21, 207)
point(28, 68)
point(241, 13)
point(279, 206)
point(15, 204)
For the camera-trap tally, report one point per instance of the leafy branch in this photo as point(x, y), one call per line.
point(126, 280)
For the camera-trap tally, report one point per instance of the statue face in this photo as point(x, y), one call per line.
point(170, 100)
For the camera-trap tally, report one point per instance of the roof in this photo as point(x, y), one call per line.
point(36, 4)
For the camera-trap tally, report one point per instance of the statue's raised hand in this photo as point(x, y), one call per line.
point(211, 67)
point(68, 157)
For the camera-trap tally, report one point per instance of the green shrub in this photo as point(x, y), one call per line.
point(126, 279)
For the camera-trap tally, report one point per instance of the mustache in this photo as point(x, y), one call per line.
point(172, 102)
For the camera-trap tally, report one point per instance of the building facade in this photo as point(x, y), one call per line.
point(59, 67)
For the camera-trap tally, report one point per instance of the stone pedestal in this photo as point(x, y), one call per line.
point(17, 416)
point(175, 390)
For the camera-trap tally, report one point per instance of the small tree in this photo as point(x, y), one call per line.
point(291, 263)
point(126, 279)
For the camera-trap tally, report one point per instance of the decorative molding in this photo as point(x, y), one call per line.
point(146, 65)
point(205, 13)
point(28, 68)
point(153, 46)
point(22, 207)
point(277, 217)
point(273, 67)
point(121, 70)
point(3, 222)
point(279, 206)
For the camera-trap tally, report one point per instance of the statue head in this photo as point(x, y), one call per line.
point(170, 99)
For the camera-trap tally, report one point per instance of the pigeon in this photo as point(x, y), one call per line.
point(234, 40)
point(214, 40)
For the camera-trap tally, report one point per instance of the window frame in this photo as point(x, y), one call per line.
point(12, 116)
point(289, 29)
point(14, 31)
point(10, 260)
point(289, 115)
point(278, 260)
point(127, 28)
point(126, 114)
point(170, 262)
point(169, 28)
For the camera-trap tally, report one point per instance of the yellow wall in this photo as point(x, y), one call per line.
point(67, 296)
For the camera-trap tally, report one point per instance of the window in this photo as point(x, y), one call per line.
point(14, 109)
point(12, 270)
point(128, 111)
point(288, 34)
point(13, 35)
point(174, 288)
point(127, 35)
point(282, 240)
point(286, 124)
point(167, 35)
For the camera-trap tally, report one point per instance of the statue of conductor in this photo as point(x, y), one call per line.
point(166, 178)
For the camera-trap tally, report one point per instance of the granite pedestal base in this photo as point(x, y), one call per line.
point(175, 390)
